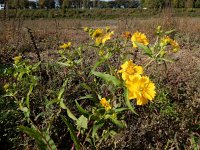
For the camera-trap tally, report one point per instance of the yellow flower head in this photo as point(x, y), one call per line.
point(98, 41)
point(140, 38)
point(175, 45)
point(141, 89)
point(86, 29)
point(103, 38)
point(105, 104)
point(17, 59)
point(129, 69)
point(166, 40)
point(107, 29)
point(126, 35)
point(6, 86)
point(107, 37)
point(97, 33)
point(66, 45)
point(101, 52)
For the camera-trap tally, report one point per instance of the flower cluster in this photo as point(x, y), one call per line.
point(65, 45)
point(139, 87)
point(139, 38)
point(105, 104)
point(100, 35)
point(17, 59)
point(127, 35)
point(129, 70)
point(167, 40)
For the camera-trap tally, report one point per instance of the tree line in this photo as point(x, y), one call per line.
point(170, 3)
point(49, 4)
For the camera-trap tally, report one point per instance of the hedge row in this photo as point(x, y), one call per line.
point(95, 13)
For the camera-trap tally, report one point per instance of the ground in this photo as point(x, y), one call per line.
point(170, 122)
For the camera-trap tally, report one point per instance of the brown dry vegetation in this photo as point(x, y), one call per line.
point(168, 123)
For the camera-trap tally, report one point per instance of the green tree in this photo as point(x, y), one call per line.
point(85, 3)
point(65, 4)
point(197, 4)
point(189, 3)
point(42, 4)
point(178, 3)
point(50, 3)
point(153, 3)
point(17, 3)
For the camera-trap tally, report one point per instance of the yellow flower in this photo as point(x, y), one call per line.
point(107, 37)
point(141, 89)
point(140, 38)
point(129, 70)
point(175, 45)
point(6, 86)
point(97, 33)
point(101, 52)
point(86, 29)
point(107, 29)
point(126, 35)
point(17, 59)
point(166, 40)
point(66, 45)
point(98, 41)
point(105, 104)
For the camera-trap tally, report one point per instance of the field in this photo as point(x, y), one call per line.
point(55, 91)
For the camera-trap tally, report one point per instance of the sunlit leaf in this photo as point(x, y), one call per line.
point(128, 103)
point(117, 122)
point(107, 77)
point(147, 50)
point(169, 32)
point(82, 122)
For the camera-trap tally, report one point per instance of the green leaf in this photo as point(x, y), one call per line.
point(66, 64)
point(62, 89)
point(128, 103)
point(147, 51)
point(120, 109)
point(82, 122)
point(164, 59)
point(72, 133)
point(28, 96)
point(62, 104)
point(35, 66)
point(194, 143)
point(70, 114)
point(107, 77)
point(96, 127)
point(169, 32)
point(87, 87)
point(48, 139)
point(91, 89)
point(43, 140)
point(52, 102)
point(117, 122)
point(81, 110)
point(98, 63)
point(89, 96)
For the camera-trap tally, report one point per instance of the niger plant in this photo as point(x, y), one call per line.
point(92, 99)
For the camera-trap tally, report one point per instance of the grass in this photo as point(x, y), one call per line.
point(170, 122)
point(97, 13)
